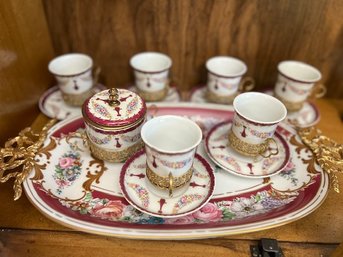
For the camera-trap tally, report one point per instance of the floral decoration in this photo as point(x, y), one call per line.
point(221, 211)
point(185, 200)
point(175, 165)
point(198, 174)
point(268, 162)
point(67, 170)
point(101, 110)
point(100, 141)
point(132, 106)
point(292, 88)
point(227, 85)
point(289, 173)
point(229, 160)
point(131, 139)
point(256, 133)
point(209, 213)
point(141, 192)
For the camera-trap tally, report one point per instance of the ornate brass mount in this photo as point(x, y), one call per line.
point(328, 153)
point(20, 152)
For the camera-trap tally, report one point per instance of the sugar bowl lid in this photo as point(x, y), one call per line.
point(114, 108)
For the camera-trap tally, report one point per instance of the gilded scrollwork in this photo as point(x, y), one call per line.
point(94, 177)
point(19, 152)
point(328, 153)
point(43, 151)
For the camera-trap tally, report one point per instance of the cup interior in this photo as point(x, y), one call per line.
point(70, 64)
point(299, 71)
point(259, 108)
point(151, 62)
point(226, 66)
point(171, 134)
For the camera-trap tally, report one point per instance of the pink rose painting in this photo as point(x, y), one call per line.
point(208, 213)
point(66, 162)
point(289, 173)
point(221, 211)
point(67, 170)
point(290, 166)
point(111, 210)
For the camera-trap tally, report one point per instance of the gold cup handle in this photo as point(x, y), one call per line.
point(246, 84)
point(271, 152)
point(318, 91)
point(171, 181)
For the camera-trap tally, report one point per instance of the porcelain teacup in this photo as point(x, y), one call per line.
point(151, 72)
point(296, 82)
point(256, 118)
point(170, 145)
point(225, 79)
point(73, 73)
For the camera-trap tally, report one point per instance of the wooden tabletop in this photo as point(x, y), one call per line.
point(26, 232)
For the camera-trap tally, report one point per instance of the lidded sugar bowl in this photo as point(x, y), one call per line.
point(113, 120)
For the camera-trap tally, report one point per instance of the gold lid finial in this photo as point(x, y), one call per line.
point(113, 97)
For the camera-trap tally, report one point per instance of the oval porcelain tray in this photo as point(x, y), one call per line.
point(80, 192)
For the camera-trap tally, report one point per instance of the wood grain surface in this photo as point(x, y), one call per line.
point(261, 33)
point(25, 49)
point(53, 244)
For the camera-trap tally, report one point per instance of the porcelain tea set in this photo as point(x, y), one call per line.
point(162, 149)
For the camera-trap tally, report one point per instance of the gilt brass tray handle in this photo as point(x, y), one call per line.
point(19, 153)
point(328, 153)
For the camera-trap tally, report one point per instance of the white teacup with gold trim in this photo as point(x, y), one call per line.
point(73, 73)
point(256, 118)
point(170, 145)
point(151, 71)
point(296, 82)
point(225, 79)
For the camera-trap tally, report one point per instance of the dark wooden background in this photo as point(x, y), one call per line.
point(25, 50)
point(261, 33)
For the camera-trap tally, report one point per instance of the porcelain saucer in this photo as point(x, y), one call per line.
point(228, 159)
point(307, 116)
point(173, 95)
point(52, 105)
point(198, 95)
point(136, 189)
